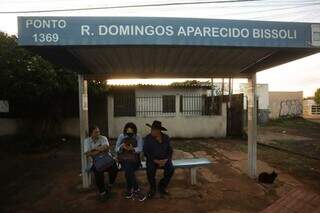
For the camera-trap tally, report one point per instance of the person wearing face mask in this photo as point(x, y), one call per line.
point(128, 148)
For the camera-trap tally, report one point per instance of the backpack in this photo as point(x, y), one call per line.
point(103, 161)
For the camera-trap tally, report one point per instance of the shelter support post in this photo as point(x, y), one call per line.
point(228, 109)
point(252, 127)
point(193, 175)
point(84, 132)
point(178, 112)
point(212, 97)
point(110, 116)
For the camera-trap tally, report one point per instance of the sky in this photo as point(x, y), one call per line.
point(300, 75)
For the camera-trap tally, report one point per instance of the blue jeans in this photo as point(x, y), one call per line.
point(129, 171)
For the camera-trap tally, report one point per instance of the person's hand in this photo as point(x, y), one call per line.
point(160, 163)
point(128, 147)
point(163, 162)
point(102, 148)
point(92, 152)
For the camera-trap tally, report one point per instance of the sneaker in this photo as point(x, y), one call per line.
point(104, 196)
point(151, 194)
point(139, 195)
point(128, 194)
point(163, 193)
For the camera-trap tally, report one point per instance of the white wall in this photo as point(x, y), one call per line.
point(262, 94)
point(276, 98)
point(177, 125)
point(186, 127)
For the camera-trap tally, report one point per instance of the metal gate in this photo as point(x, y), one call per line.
point(235, 116)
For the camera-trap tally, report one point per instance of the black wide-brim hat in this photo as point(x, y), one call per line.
point(157, 125)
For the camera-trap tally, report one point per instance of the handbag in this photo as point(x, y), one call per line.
point(103, 161)
point(126, 156)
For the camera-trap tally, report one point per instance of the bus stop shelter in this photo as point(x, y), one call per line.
point(101, 48)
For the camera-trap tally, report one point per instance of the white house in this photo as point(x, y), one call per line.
point(185, 111)
point(310, 108)
point(262, 98)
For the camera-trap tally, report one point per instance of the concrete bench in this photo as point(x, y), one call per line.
point(193, 164)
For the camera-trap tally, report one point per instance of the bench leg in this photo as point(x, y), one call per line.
point(193, 175)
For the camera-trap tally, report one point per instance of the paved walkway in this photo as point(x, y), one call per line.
point(296, 201)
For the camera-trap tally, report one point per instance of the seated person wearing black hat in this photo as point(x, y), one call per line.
point(158, 151)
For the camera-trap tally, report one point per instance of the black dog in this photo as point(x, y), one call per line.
point(264, 177)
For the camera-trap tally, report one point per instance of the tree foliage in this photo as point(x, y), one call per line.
point(36, 89)
point(317, 96)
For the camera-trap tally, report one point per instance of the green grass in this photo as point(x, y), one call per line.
point(309, 148)
point(304, 169)
point(293, 123)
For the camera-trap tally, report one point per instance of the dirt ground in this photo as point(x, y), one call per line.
point(50, 181)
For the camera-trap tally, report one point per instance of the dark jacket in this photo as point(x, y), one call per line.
point(154, 150)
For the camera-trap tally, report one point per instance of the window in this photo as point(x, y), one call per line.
point(212, 107)
point(124, 103)
point(200, 105)
point(316, 36)
point(168, 103)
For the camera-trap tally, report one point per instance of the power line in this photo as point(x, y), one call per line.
point(221, 1)
point(283, 14)
point(298, 5)
point(265, 4)
point(275, 9)
point(127, 6)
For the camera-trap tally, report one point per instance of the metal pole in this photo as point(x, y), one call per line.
point(212, 96)
point(229, 99)
point(231, 86)
point(252, 127)
point(229, 133)
point(222, 88)
point(83, 119)
point(221, 97)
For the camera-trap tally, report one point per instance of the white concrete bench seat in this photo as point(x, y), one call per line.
point(193, 164)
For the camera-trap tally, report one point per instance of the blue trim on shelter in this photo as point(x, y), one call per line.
point(64, 31)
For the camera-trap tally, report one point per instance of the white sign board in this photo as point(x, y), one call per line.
point(4, 106)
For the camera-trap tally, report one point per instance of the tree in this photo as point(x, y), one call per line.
point(317, 96)
point(36, 89)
